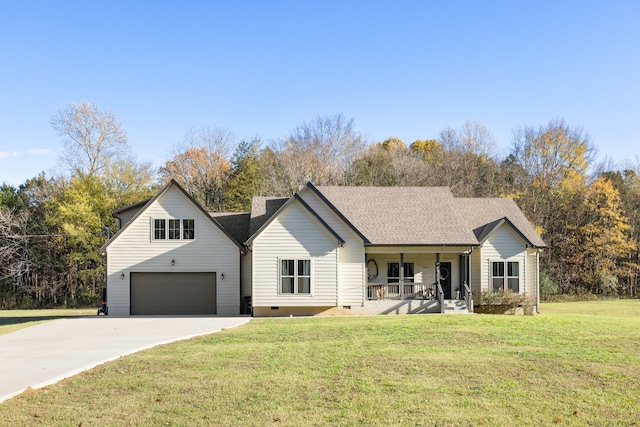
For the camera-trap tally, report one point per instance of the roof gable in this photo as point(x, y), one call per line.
point(488, 230)
point(485, 215)
point(305, 207)
point(171, 184)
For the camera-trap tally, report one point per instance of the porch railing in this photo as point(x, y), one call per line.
point(468, 297)
point(383, 291)
point(440, 293)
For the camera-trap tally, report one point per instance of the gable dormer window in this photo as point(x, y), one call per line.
point(173, 229)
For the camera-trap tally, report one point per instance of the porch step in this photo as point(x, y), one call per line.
point(454, 306)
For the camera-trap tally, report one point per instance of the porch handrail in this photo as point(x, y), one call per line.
point(399, 291)
point(468, 296)
point(440, 293)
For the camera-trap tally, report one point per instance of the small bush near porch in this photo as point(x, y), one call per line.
point(575, 364)
point(500, 301)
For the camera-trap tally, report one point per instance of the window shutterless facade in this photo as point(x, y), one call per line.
point(173, 229)
point(295, 276)
point(513, 276)
point(393, 272)
point(159, 229)
point(509, 281)
point(188, 229)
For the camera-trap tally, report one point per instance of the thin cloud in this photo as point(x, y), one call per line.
point(39, 151)
point(6, 154)
point(32, 151)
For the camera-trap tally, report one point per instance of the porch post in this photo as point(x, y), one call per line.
point(437, 267)
point(401, 275)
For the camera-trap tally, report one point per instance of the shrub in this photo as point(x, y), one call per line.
point(548, 286)
point(499, 301)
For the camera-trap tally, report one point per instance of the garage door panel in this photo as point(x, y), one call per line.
point(173, 293)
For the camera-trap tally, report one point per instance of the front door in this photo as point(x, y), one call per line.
point(445, 279)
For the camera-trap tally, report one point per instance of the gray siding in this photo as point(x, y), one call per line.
point(294, 234)
point(134, 251)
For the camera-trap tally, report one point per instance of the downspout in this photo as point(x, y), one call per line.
point(538, 281)
point(365, 275)
point(525, 270)
point(338, 276)
point(240, 279)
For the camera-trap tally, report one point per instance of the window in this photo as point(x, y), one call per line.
point(393, 272)
point(497, 274)
point(188, 229)
point(159, 229)
point(295, 276)
point(512, 277)
point(304, 276)
point(173, 229)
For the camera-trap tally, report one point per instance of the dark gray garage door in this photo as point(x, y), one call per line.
point(173, 293)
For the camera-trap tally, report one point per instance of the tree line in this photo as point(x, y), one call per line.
point(51, 228)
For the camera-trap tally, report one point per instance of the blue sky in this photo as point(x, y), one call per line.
point(260, 68)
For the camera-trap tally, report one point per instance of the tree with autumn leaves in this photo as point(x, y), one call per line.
point(51, 228)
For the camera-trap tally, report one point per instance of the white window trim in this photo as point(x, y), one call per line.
point(295, 277)
point(166, 239)
point(406, 261)
point(506, 277)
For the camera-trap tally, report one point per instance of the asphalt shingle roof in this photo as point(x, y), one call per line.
point(402, 215)
point(263, 208)
point(235, 224)
point(484, 214)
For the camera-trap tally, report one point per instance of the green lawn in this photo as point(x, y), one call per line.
point(12, 320)
point(568, 366)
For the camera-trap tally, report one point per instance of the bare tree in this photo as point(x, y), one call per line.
point(468, 164)
point(320, 151)
point(15, 263)
point(201, 164)
point(92, 138)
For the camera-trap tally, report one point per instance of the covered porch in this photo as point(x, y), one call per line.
point(411, 274)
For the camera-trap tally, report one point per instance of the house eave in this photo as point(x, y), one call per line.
point(426, 245)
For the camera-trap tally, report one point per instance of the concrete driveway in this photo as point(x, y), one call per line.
point(49, 352)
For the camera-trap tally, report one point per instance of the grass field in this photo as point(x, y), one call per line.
point(576, 364)
point(12, 320)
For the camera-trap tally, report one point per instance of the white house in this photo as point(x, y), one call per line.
point(326, 250)
point(172, 257)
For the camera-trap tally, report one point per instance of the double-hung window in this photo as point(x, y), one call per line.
point(159, 229)
point(295, 276)
point(510, 280)
point(393, 272)
point(513, 276)
point(188, 229)
point(173, 229)
point(497, 275)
